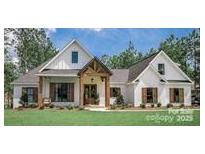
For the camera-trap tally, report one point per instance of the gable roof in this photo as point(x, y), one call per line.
point(95, 59)
point(64, 49)
point(136, 69)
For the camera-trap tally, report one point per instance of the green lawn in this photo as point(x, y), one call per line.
point(34, 117)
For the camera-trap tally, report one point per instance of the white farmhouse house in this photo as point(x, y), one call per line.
point(74, 76)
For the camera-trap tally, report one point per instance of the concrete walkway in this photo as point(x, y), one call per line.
point(134, 110)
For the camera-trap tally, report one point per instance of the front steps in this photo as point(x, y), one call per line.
point(95, 108)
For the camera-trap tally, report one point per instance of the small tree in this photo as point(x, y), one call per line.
point(119, 99)
point(23, 99)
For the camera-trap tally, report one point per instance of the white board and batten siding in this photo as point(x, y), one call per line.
point(64, 60)
point(171, 73)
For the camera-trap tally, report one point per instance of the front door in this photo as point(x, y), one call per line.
point(90, 92)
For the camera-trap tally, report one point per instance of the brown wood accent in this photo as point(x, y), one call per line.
point(155, 95)
point(171, 95)
point(81, 89)
point(144, 95)
point(70, 94)
point(35, 93)
point(107, 91)
point(95, 68)
point(52, 91)
point(40, 89)
point(181, 95)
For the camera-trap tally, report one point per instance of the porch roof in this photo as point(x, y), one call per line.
point(59, 72)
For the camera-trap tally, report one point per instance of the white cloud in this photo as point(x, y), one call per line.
point(50, 31)
point(96, 29)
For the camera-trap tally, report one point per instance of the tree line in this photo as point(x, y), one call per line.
point(24, 49)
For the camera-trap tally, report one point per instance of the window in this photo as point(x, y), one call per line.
point(29, 94)
point(62, 92)
point(149, 95)
point(114, 92)
point(161, 69)
point(176, 95)
point(74, 57)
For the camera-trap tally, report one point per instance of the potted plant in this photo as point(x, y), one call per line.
point(97, 100)
point(159, 104)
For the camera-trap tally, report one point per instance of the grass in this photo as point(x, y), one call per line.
point(53, 117)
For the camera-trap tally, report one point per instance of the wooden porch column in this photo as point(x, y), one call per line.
point(81, 90)
point(40, 89)
point(107, 91)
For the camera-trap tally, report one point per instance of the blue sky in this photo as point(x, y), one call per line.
point(114, 40)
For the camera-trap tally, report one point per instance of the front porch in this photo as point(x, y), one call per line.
point(90, 86)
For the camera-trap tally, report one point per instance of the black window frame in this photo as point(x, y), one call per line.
point(115, 91)
point(150, 96)
point(29, 92)
point(61, 92)
point(74, 57)
point(161, 69)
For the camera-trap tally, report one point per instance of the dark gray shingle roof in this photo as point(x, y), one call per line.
point(136, 69)
point(29, 77)
point(119, 75)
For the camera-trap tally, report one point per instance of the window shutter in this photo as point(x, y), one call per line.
point(155, 95)
point(171, 95)
point(111, 92)
point(35, 94)
point(70, 94)
point(144, 95)
point(181, 95)
point(72, 91)
point(52, 92)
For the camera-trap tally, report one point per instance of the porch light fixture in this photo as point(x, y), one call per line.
point(102, 79)
point(92, 79)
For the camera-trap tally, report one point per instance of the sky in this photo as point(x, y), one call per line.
point(110, 41)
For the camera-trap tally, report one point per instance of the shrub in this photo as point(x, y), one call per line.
point(159, 104)
point(76, 106)
point(41, 107)
point(169, 105)
point(51, 106)
point(20, 108)
point(181, 105)
point(143, 105)
point(113, 107)
point(122, 107)
point(32, 105)
point(152, 105)
point(130, 105)
point(81, 108)
point(60, 107)
point(119, 99)
point(69, 107)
